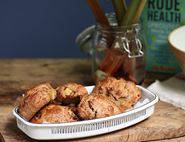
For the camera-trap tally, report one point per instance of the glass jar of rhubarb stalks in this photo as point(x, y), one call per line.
point(118, 51)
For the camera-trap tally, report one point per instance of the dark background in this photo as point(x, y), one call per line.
point(43, 28)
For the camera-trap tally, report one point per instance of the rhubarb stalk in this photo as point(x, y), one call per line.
point(120, 9)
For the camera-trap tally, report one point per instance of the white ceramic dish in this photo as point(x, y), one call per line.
point(142, 110)
point(176, 40)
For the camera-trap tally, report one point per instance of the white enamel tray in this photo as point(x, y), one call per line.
point(142, 110)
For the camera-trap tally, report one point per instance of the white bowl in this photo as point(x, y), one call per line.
point(176, 40)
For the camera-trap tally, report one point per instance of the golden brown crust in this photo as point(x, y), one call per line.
point(124, 93)
point(71, 93)
point(54, 114)
point(96, 106)
point(134, 94)
point(35, 98)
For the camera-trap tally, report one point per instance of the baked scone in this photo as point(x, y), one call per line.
point(54, 114)
point(134, 94)
point(36, 98)
point(96, 106)
point(70, 93)
point(124, 93)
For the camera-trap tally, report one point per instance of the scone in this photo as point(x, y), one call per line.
point(36, 98)
point(70, 93)
point(54, 114)
point(124, 93)
point(96, 106)
point(134, 94)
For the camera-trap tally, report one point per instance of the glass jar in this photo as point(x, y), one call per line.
point(118, 51)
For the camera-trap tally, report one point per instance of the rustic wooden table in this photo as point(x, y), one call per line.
point(166, 124)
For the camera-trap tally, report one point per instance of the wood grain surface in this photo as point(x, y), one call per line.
point(166, 124)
